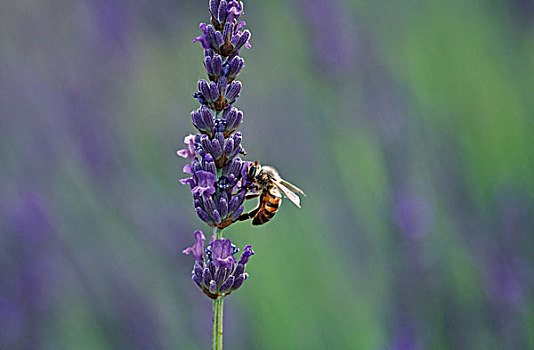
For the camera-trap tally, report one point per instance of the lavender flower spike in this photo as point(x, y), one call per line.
point(216, 267)
point(218, 177)
point(217, 144)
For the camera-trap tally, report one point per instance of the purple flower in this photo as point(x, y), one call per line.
point(247, 253)
point(224, 36)
point(198, 248)
point(203, 120)
point(216, 171)
point(188, 152)
point(240, 26)
point(234, 67)
point(204, 216)
point(222, 253)
point(188, 181)
point(216, 272)
point(205, 184)
point(204, 40)
point(234, 10)
point(241, 39)
point(232, 91)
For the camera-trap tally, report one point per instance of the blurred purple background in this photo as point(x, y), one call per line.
point(408, 125)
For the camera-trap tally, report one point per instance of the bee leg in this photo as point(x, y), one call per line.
point(243, 217)
point(251, 196)
point(249, 215)
point(251, 187)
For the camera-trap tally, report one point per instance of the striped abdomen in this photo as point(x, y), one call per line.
point(269, 203)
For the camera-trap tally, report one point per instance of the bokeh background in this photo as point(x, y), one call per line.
point(408, 123)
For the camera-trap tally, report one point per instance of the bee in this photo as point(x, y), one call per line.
point(269, 186)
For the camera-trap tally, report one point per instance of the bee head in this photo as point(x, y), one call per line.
point(254, 170)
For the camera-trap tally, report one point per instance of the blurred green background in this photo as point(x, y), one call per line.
point(409, 125)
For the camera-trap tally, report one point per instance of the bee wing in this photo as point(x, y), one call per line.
point(287, 192)
point(292, 187)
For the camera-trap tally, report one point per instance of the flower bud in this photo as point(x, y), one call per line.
point(233, 91)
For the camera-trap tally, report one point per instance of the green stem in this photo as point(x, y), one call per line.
point(217, 233)
point(217, 337)
point(218, 324)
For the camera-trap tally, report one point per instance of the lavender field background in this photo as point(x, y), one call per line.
point(409, 125)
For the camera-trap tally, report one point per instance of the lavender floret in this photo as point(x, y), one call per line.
point(216, 149)
point(209, 66)
point(233, 90)
point(233, 119)
point(234, 9)
point(214, 7)
point(198, 270)
point(237, 213)
point(222, 84)
point(229, 146)
point(206, 144)
point(197, 281)
point(198, 122)
point(205, 182)
point(241, 40)
point(212, 37)
point(214, 92)
point(222, 11)
point(203, 39)
point(225, 287)
point(204, 89)
point(227, 31)
point(219, 275)
point(211, 167)
point(223, 253)
point(236, 201)
point(197, 249)
point(207, 117)
point(216, 64)
point(223, 207)
point(234, 67)
point(206, 276)
point(219, 136)
point(213, 287)
point(239, 269)
point(216, 217)
point(209, 204)
point(204, 216)
point(239, 281)
point(247, 253)
point(233, 167)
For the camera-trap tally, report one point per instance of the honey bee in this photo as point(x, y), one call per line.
point(269, 186)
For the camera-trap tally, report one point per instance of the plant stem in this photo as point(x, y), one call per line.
point(217, 337)
point(218, 324)
point(217, 233)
